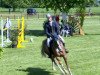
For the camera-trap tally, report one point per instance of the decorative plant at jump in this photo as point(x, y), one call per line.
point(1, 50)
point(73, 22)
point(14, 36)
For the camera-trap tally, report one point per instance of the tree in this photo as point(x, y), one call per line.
point(18, 3)
point(81, 10)
point(62, 5)
point(66, 5)
point(1, 50)
point(11, 3)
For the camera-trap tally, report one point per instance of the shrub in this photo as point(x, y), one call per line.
point(1, 50)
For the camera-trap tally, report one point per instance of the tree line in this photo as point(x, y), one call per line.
point(62, 5)
point(18, 4)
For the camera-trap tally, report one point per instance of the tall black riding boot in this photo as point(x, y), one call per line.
point(49, 55)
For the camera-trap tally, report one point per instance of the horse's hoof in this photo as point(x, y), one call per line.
point(54, 69)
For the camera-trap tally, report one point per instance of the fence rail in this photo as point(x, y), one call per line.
point(16, 15)
point(38, 15)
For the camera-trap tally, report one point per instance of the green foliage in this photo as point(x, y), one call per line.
point(66, 5)
point(81, 4)
point(1, 50)
point(73, 23)
point(63, 5)
point(18, 3)
point(14, 35)
point(81, 11)
point(12, 3)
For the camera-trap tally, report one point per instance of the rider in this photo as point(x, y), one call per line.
point(52, 31)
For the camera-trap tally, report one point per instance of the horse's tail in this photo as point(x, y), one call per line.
point(43, 48)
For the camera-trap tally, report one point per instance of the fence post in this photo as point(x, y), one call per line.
point(1, 15)
point(38, 15)
point(27, 16)
point(14, 16)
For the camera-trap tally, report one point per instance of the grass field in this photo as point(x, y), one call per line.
point(83, 57)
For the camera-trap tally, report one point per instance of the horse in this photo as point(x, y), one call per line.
point(56, 55)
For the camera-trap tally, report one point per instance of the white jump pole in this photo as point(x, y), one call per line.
point(7, 40)
point(2, 42)
point(2, 37)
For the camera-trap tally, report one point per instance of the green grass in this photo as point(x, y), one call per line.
point(83, 57)
point(94, 10)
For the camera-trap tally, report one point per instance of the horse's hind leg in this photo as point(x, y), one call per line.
point(65, 59)
point(53, 66)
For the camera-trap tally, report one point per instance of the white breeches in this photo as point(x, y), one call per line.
point(48, 41)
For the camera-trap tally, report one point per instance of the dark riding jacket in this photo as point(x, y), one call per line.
point(51, 31)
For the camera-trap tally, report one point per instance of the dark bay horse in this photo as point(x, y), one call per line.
point(56, 54)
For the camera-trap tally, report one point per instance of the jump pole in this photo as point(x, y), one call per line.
point(2, 42)
point(19, 45)
point(7, 40)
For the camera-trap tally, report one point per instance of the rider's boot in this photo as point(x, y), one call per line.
point(49, 55)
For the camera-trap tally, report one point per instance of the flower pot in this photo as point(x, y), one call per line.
point(14, 44)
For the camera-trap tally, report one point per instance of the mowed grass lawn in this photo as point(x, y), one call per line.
point(83, 57)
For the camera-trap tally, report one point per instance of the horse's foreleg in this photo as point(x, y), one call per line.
point(60, 66)
point(65, 59)
point(53, 63)
point(53, 66)
point(63, 68)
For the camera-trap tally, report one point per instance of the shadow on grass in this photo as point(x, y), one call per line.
point(35, 71)
point(92, 34)
point(31, 32)
point(35, 32)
